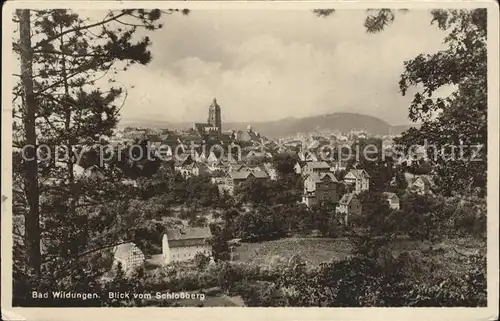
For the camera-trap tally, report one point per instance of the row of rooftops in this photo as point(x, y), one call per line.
point(245, 174)
point(319, 177)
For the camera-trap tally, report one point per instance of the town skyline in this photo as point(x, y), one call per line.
point(236, 193)
point(299, 65)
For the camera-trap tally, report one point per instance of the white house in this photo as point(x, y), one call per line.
point(211, 158)
point(338, 165)
point(421, 185)
point(307, 156)
point(393, 200)
point(316, 168)
point(271, 171)
point(194, 169)
point(234, 178)
point(348, 205)
point(129, 255)
point(359, 179)
point(320, 188)
point(297, 168)
point(182, 244)
point(215, 166)
point(182, 161)
point(362, 135)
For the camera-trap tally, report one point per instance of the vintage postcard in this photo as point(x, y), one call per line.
point(303, 160)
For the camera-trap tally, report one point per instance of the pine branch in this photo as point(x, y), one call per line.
point(91, 251)
point(79, 70)
point(81, 28)
point(55, 52)
point(129, 24)
point(123, 103)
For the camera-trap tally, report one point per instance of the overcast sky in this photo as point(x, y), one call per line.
point(267, 65)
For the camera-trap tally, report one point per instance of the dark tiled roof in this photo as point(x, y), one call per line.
point(389, 194)
point(320, 177)
point(188, 233)
point(244, 174)
point(317, 165)
point(425, 178)
point(201, 126)
point(359, 173)
point(259, 174)
point(347, 199)
point(330, 176)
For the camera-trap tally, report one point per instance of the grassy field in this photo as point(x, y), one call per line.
point(312, 250)
point(319, 250)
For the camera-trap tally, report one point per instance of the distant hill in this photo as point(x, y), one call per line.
point(398, 129)
point(343, 122)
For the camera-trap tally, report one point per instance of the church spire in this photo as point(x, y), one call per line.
point(214, 115)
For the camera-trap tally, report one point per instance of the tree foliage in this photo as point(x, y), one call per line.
point(461, 118)
point(62, 101)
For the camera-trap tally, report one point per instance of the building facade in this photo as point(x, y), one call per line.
point(348, 206)
point(358, 179)
point(319, 188)
point(393, 200)
point(234, 178)
point(182, 244)
point(129, 255)
point(315, 168)
point(421, 185)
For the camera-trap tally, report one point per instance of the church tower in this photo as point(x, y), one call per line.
point(214, 116)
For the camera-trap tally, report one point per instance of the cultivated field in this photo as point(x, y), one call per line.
point(313, 250)
point(320, 250)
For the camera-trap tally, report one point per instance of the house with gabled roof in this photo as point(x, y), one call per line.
point(93, 172)
point(297, 168)
point(129, 255)
point(194, 169)
point(359, 179)
point(162, 150)
point(234, 178)
point(421, 185)
point(180, 147)
point(247, 136)
point(183, 243)
point(255, 154)
point(393, 200)
point(338, 165)
point(270, 170)
point(319, 188)
point(182, 160)
point(315, 168)
point(348, 206)
point(307, 156)
point(228, 159)
point(216, 166)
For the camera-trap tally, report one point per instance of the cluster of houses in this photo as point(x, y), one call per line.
point(321, 185)
point(252, 160)
point(179, 244)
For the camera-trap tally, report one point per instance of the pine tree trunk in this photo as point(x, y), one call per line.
point(32, 217)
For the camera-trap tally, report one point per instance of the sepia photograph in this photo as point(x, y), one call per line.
point(191, 157)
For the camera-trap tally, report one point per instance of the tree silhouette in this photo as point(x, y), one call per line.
point(61, 101)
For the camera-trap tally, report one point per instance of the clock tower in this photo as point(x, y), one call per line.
point(214, 116)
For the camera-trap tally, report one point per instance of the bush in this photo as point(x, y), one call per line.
point(201, 261)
